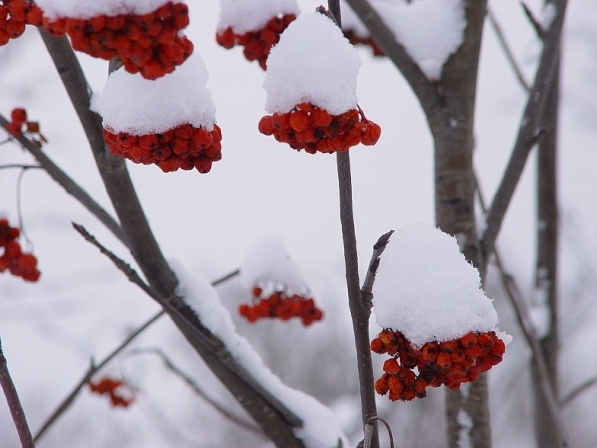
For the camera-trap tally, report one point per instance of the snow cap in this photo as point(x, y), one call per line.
point(85, 9)
point(426, 289)
point(252, 15)
point(313, 62)
point(138, 106)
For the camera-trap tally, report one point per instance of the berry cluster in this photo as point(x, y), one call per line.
point(257, 44)
point(281, 306)
point(149, 44)
point(449, 363)
point(120, 393)
point(18, 263)
point(183, 147)
point(355, 40)
point(19, 126)
point(314, 129)
point(14, 15)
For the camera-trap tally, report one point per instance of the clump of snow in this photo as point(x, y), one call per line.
point(320, 428)
point(548, 14)
point(429, 30)
point(138, 106)
point(85, 9)
point(244, 16)
point(313, 62)
point(426, 289)
point(268, 264)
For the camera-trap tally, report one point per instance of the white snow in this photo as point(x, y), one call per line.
point(427, 290)
point(133, 104)
point(429, 30)
point(313, 62)
point(320, 428)
point(85, 9)
point(268, 264)
point(244, 16)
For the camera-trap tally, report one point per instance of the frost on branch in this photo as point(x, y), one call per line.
point(320, 429)
point(169, 122)
point(435, 316)
point(430, 30)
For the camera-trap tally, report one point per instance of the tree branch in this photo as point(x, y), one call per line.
point(14, 404)
point(367, 288)
point(574, 393)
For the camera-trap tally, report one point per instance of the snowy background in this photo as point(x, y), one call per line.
point(82, 307)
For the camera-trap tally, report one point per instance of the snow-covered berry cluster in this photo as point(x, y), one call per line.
point(150, 44)
point(184, 147)
point(14, 15)
point(448, 363)
point(258, 43)
point(13, 259)
point(281, 306)
point(314, 129)
point(119, 392)
point(355, 39)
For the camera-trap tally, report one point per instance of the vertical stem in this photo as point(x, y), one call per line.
point(14, 404)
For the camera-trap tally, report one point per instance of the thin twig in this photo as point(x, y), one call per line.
point(533, 20)
point(507, 50)
point(14, 404)
point(574, 393)
point(369, 431)
point(367, 288)
point(20, 166)
point(193, 385)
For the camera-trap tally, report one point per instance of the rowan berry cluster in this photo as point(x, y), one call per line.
point(257, 44)
point(119, 392)
point(314, 129)
point(448, 363)
point(14, 260)
point(14, 15)
point(355, 40)
point(149, 44)
point(281, 306)
point(19, 126)
point(184, 147)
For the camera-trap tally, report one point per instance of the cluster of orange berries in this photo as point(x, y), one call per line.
point(355, 40)
point(149, 44)
point(119, 392)
point(257, 44)
point(19, 125)
point(14, 15)
point(314, 129)
point(448, 363)
point(18, 263)
point(281, 306)
point(184, 147)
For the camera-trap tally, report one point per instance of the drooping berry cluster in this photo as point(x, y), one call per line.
point(448, 363)
point(149, 44)
point(119, 392)
point(257, 44)
point(281, 306)
point(13, 259)
point(14, 15)
point(19, 126)
point(355, 39)
point(184, 147)
point(314, 129)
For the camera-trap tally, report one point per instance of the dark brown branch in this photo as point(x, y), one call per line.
point(367, 288)
point(196, 388)
point(533, 21)
point(14, 404)
point(71, 187)
point(529, 130)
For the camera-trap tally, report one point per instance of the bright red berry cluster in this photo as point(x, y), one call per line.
point(14, 260)
point(184, 147)
point(257, 44)
point(355, 40)
point(448, 363)
point(119, 392)
point(149, 44)
point(314, 129)
point(19, 126)
point(281, 306)
point(14, 15)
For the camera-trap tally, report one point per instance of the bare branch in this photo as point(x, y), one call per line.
point(14, 404)
point(574, 393)
point(367, 288)
point(198, 390)
point(529, 130)
point(533, 20)
point(20, 166)
point(369, 432)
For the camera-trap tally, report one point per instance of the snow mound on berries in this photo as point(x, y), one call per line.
point(430, 30)
point(85, 9)
point(268, 264)
point(320, 428)
point(138, 106)
point(313, 63)
point(244, 16)
point(427, 290)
